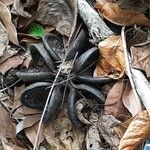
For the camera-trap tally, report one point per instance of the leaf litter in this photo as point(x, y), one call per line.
point(122, 121)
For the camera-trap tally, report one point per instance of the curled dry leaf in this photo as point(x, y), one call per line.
point(137, 132)
point(5, 17)
point(141, 57)
point(62, 135)
point(123, 17)
point(12, 62)
point(111, 62)
point(113, 103)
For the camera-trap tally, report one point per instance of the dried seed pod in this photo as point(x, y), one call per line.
point(86, 59)
point(71, 104)
point(34, 96)
point(53, 105)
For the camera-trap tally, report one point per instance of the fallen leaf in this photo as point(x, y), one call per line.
point(100, 134)
point(113, 104)
point(18, 9)
point(115, 14)
point(62, 135)
point(130, 102)
point(11, 146)
point(31, 134)
point(137, 132)
point(9, 52)
point(111, 62)
point(105, 126)
point(121, 128)
point(140, 36)
point(5, 17)
point(16, 99)
point(7, 128)
point(7, 2)
point(12, 62)
point(28, 121)
point(132, 4)
point(23, 111)
point(57, 14)
point(3, 39)
point(141, 57)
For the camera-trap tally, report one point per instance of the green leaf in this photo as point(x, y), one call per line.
point(36, 30)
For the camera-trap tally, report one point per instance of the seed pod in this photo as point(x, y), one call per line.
point(71, 104)
point(54, 46)
point(33, 75)
point(93, 80)
point(34, 96)
point(53, 105)
point(78, 45)
point(95, 92)
point(86, 59)
point(44, 54)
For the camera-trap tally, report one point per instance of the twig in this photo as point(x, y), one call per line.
point(68, 79)
point(96, 26)
point(128, 66)
point(46, 104)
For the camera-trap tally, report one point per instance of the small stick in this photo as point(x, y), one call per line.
point(68, 79)
point(46, 104)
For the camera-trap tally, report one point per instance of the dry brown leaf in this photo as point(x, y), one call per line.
point(24, 111)
point(137, 132)
point(11, 146)
point(27, 122)
point(7, 2)
point(5, 17)
point(19, 9)
point(56, 13)
point(121, 128)
point(7, 128)
point(130, 102)
point(62, 135)
point(32, 131)
point(141, 57)
point(139, 37)
point(3, 39)
point(9, 52)
point(12, 62)
point(113, 104)
point(111, 62)
point(102, 130)
point(105, 125)
point(119, 16)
